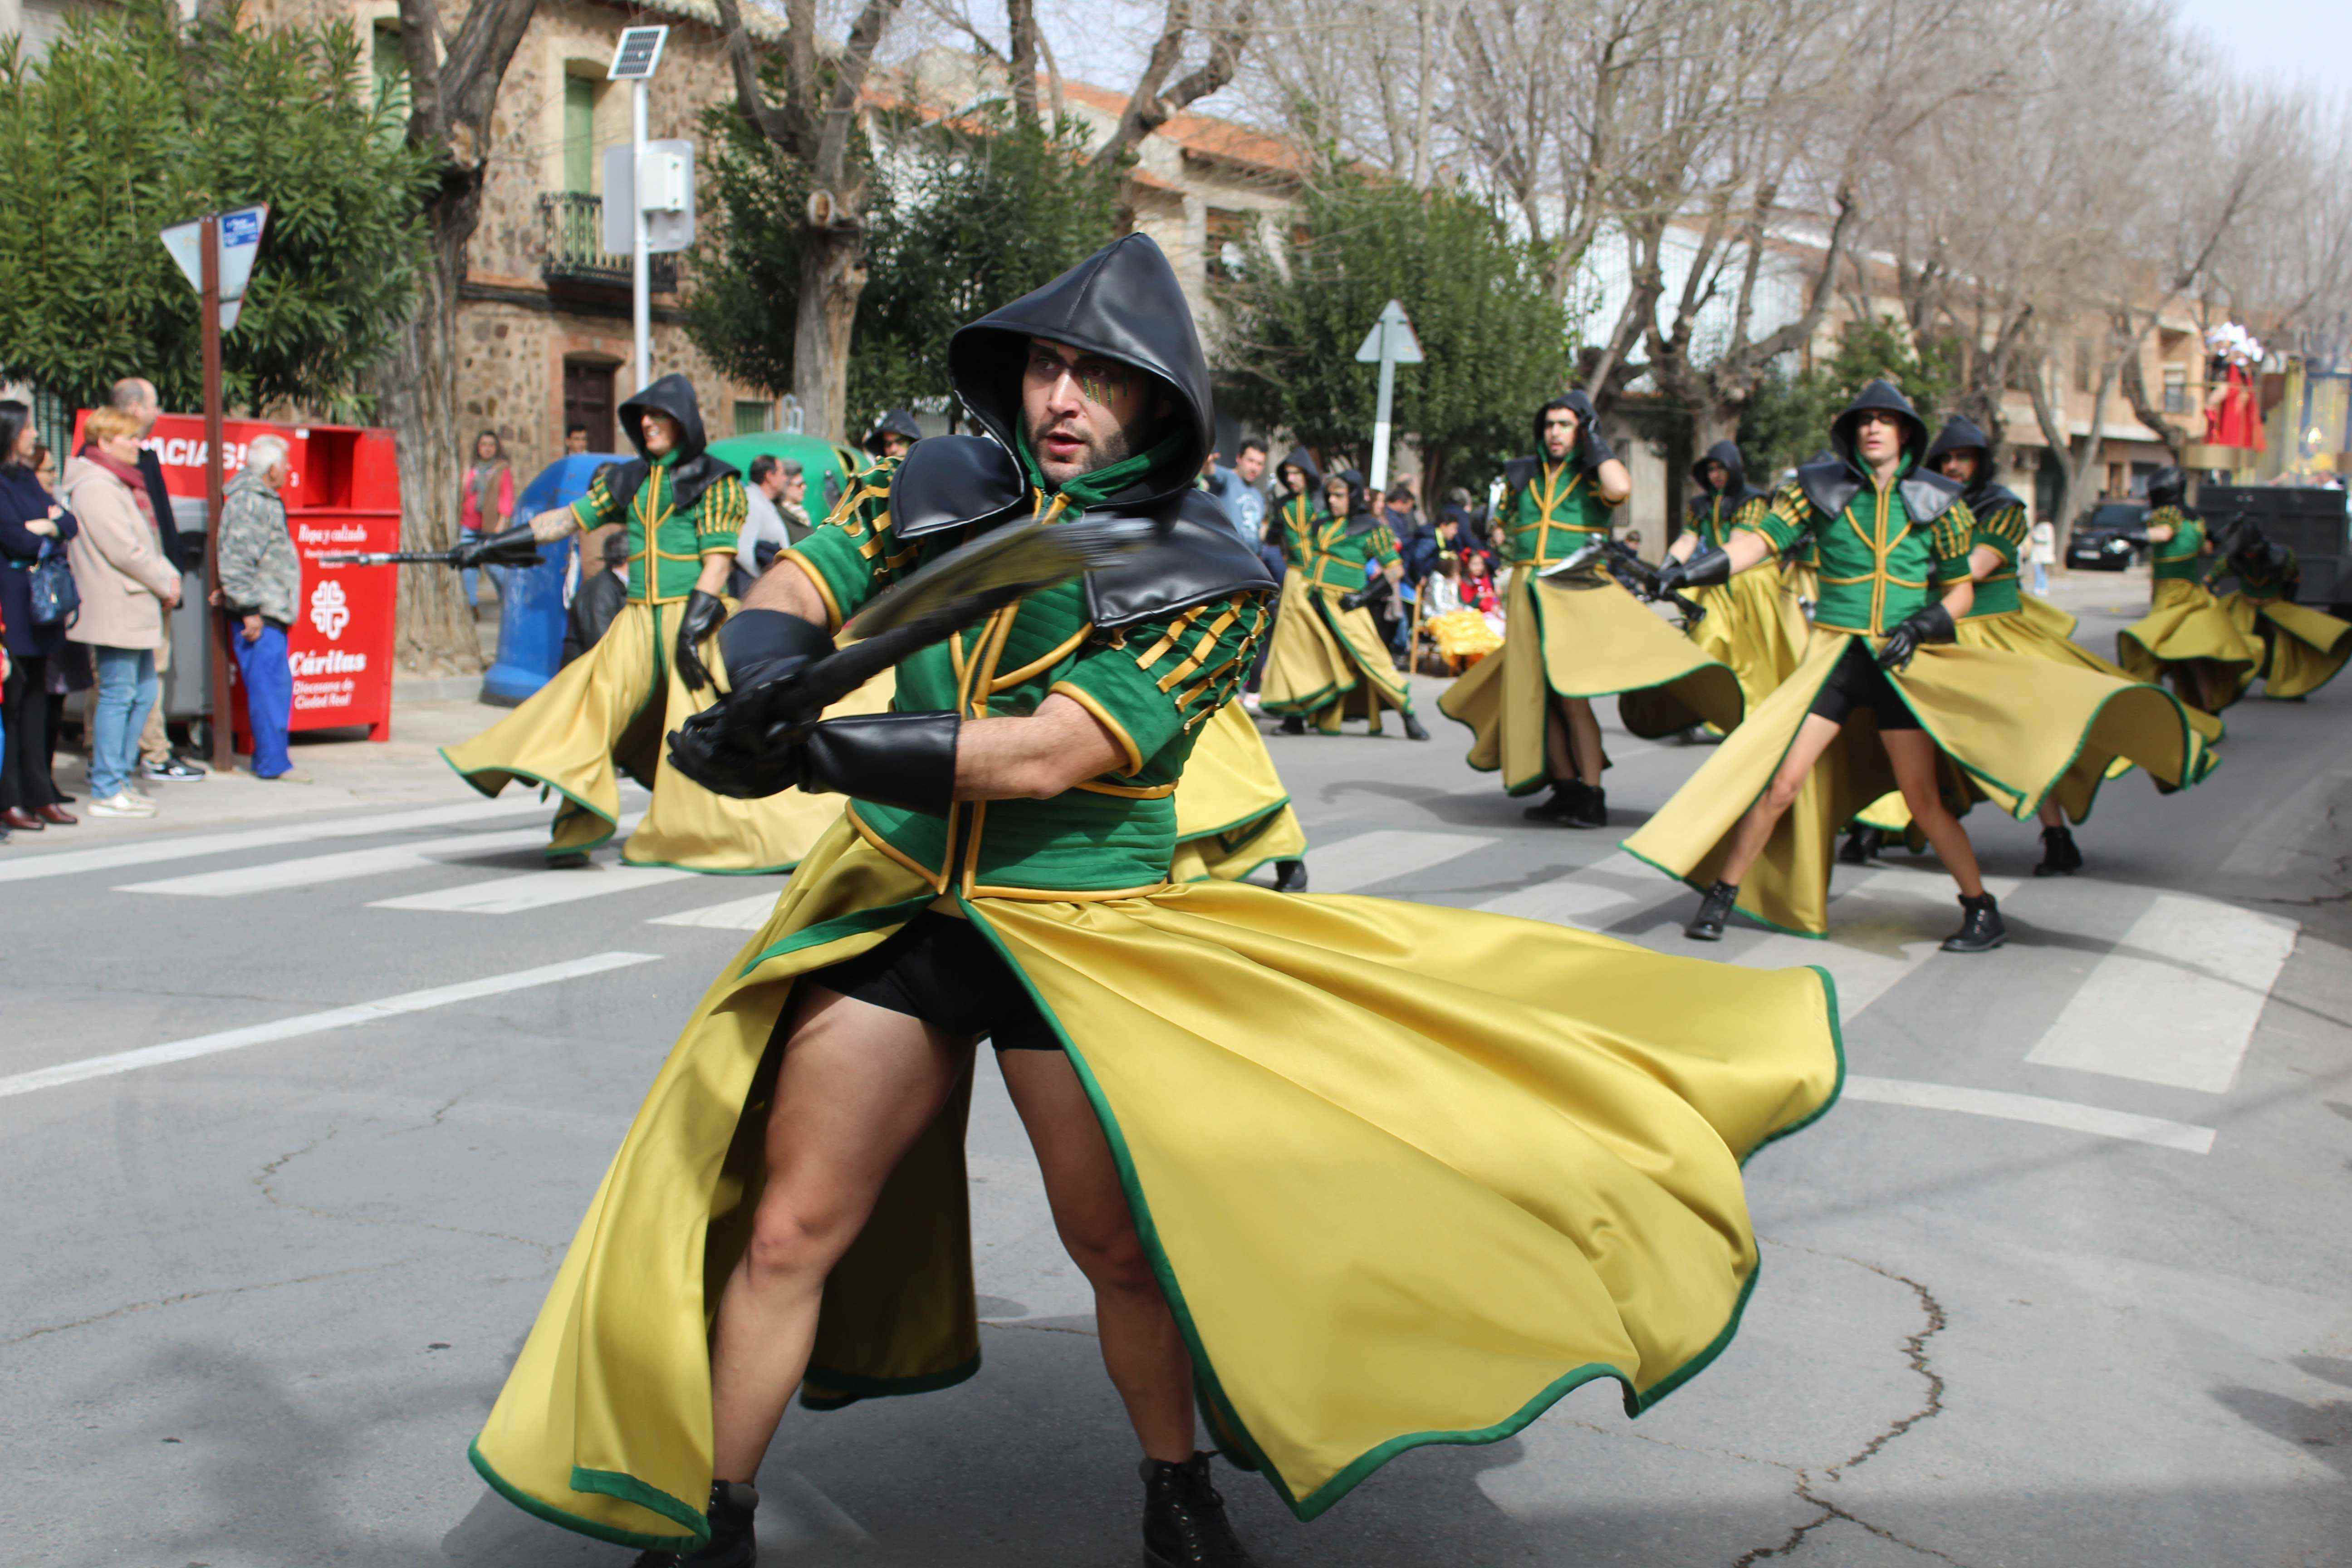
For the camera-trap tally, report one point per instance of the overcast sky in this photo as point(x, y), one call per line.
point(2297, 39)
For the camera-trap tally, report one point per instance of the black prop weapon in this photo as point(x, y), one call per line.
point(1636, 574)
point(509, 556)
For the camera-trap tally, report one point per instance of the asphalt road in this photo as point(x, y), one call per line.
point(2066, 1280)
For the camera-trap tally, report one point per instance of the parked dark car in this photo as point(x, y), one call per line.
point(2102, 540)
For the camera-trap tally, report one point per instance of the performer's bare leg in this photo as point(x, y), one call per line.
point(1914, 756)
point(1583, 738)
point(858, 1083)
point(1559, 759)
point(1141, 1346)
point(1755, 829)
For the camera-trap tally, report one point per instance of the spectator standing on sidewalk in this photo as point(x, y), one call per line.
point(126, 586)
point(777, 521)
point(32, 525)
point(485, 501)
point(135, 396)
point(260, 586)
point(575, 440)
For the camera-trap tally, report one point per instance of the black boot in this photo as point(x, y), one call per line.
point(731, 1545)
point(1290, 876)
point(1413, 730)
point(1556, 806)
point(1980, 928)
point(1184, 1519)
point(1714, 913)
point(2059, 856)
point(1589, 806)
point(1862, 846)
point(1292, 724)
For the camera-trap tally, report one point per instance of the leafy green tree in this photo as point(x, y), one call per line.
point(1497, 343)
point(965, 217)
point(1788, 419)
point(127, 128)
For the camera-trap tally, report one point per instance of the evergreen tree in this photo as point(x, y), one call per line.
point(1788, 419)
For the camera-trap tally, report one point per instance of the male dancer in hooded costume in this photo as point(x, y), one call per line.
point(2303, 648)
point(1895, 543)
point(1752, 622)
point(1568, 640)
point(893, 436)
point(1328, 661)
point(2003, 616)
point(1540, 1129)
point(2185, 638)
point(605, 713)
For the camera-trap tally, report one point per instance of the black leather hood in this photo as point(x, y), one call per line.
point(1124, 303)
point(1735, 489)
point(696, 471)
point(1984, 494)
point(1304, 461)
point(893, 421)
point(1832, 486)
point(1360, 516)
point(1198, 559)
point(2168, 487)
point(1586, 418)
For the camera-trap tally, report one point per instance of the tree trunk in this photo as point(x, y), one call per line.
point(416, 390)
point(833, 277)
point(1714, 420)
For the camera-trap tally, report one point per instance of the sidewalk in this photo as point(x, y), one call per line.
point(2123, 593)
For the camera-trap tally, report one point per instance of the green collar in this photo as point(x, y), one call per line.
point(1091, 489)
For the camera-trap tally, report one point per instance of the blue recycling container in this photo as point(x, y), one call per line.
point(531, 599)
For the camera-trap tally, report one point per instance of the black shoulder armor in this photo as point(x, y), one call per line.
point(1993, 499)
point(948, 481)
point(1520, 472)
point(1829, 487)
point(1197, 560)
point(1925, 496)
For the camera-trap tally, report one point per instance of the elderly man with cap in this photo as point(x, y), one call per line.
point(1357, 1175)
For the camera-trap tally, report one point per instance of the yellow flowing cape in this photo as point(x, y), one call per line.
point(1408, 1174)
point(1232, 815)
point(2189, 638)
point(1752, 625)
point(2304, 648)
point(1326, 663)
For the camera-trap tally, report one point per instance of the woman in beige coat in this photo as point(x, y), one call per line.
point(127, 587)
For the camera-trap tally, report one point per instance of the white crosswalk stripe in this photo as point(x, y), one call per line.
point(190, 846)
point(1384, 855)
point(536, 890)
point(1885, 926)
point(2177, 1002)
point(735, 914)
point(1615, 882)
point(348, 866)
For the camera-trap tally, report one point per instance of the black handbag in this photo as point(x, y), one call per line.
point(54, 599)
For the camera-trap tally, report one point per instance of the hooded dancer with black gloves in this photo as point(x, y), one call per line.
point(1571, 638)
point(605, 712)
point(1755, 828)
point(1329, 662)
point(2003, 616)
point(1752, 623)
point(1541, 1129)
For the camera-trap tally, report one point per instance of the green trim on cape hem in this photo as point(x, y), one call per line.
point(1225, 1420)
point(1236, 825)
point(857, 922)
point(573, 1521)
point(784, 870)
point(1774, 926)
point(612, 824)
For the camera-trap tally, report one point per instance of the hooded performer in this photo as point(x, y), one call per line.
point(2003, 616)
point(604, 714)
point(1328, 661)
point(894, 435)
point(1755, 828)
point(1752, 623)
point(1364, 1174)
point(2303, 648)
point(1569, 639)
point(2186, 637)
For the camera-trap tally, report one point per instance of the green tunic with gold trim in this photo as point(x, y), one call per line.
point(1151, 684)
point(2175, 559)
point(1877, 568)
point(2003, 530)
point(1557, 512)
point(1337, 556)
point(667, 543)
point(1722, 514)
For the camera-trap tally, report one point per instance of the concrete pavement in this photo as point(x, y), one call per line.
point(2064, 1281)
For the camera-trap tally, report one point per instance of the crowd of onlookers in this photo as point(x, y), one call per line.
point(92, 566)
point(1451, 556)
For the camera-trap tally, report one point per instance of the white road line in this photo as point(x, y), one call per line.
point(189, 846)
point(735, 914)
point(536, 890)
point(2177, 1002)
point(1387, 853)
point(310, 871)
point(2066, 1113)
point(1579, 897)
point(315, 1023)
point(1873, 926)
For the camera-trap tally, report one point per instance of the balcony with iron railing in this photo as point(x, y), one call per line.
point(575, 260)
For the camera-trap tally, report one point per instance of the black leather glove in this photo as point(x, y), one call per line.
point(1594, 447)
point(1708, 566)
point(894, 759)
point(703, 615)
point(760, 646)
point(1932, 624)
point(515, 546)
point(1355, 601)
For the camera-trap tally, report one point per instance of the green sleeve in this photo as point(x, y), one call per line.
point(1295, 548)
point(719, 520)
point(1161, 680)
point(1750, 516)
point(2004, 532)
point(1382, 547)
point(597, 508)
point(1789, 518)
point(1950, 538)
point(854, 554)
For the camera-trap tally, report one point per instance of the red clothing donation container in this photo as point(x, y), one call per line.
point(342, 495)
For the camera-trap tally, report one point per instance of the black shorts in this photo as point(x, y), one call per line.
point(1858, 682)
point(939, 969)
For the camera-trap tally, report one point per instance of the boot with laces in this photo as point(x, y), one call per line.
point(731, 1543)
point(1184, 1524)
point(1980, 928)
point(2059, 856)
point(1714, 913)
